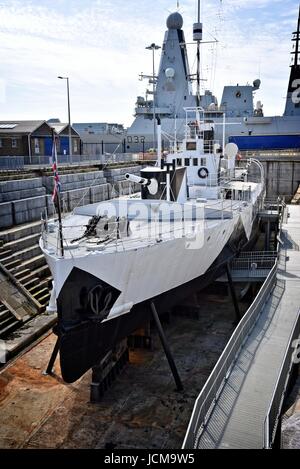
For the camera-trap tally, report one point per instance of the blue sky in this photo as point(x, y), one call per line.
point(100, 45)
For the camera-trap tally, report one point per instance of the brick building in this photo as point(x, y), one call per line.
point(34, 138)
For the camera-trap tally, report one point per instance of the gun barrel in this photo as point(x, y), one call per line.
point(137, 179)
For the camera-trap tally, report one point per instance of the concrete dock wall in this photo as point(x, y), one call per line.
point(24, 200)
point(6, 215)
point(113, 175)
point(282, 175)
point(21, 189)
point(27, 210)
point(75, 181)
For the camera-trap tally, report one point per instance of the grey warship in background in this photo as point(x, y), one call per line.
point(245, 125)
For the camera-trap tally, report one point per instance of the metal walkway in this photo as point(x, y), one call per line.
point(240, 404)
point(253, 266)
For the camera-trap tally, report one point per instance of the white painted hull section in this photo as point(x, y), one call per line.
point(144, 273)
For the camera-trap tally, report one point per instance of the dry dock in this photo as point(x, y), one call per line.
point(140, 410)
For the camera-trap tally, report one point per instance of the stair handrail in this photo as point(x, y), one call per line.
point(272, 417)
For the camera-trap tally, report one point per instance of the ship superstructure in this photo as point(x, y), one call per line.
point(109, 260)
point(246, 124)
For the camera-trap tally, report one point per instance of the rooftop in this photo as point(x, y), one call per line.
point(17, 126)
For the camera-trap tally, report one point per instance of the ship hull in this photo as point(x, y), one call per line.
point(257, 133)
point(83, 345)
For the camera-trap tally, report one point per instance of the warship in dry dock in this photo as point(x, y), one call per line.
point(246, 124)
point(196, 211)
point(110, 260)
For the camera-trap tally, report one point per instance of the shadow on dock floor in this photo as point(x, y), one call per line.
point(142, 409)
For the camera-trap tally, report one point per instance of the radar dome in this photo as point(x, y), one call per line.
point(175, 21)
point(257, 84)
point(170, 72)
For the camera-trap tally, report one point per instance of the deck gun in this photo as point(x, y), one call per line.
point(152, 184)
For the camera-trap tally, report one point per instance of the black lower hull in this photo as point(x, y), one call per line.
point(83, 345)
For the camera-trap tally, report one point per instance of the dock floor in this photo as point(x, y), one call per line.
point(142, 409)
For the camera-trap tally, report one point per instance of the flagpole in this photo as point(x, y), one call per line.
point(57, 195)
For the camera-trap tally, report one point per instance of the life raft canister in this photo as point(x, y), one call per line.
point(203, 173)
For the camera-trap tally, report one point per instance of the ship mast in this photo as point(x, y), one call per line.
point(297, 46)
point(292, 101)
point(197, 36)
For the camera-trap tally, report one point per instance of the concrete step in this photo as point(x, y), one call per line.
point(4, 253)
point(44, 300)
point(11, 264)
point(23, 255)
point(43, 283)
point(40, 293)
point(30, 282)
point(21, 231)
point(4, 314)
point(39, 273)
point(33, 263)
point(21, 273)
point(7, 320)
point(18, 175)
point(22, 243)
point(9, 328)
point(2, 307)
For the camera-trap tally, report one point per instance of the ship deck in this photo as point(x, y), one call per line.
point(149, 223)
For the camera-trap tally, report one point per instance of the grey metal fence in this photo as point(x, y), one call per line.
point(255, 261)
point(274, 411)
point(12, 163)
point(84, 159)
point(221, 371)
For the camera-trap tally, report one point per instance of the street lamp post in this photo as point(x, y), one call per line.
point(153, 47)
point(69, 117)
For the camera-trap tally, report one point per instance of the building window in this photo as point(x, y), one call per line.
point(186, 162)
point(36, 146)
point(14, 143)
point(203, 161)
point(195, 161)
point(178, 161)
point(75, 145)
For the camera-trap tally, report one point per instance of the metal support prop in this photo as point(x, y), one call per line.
point(49, 369)
point(166, 347)
point(233, 294)
point(268, 236)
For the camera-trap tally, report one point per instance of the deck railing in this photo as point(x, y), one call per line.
point(272, 418)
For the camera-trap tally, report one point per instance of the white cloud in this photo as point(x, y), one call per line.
point(101, 47)
point(2, 91)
